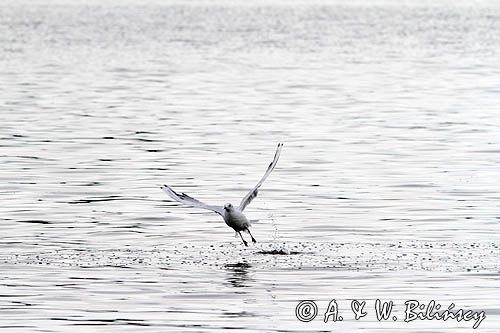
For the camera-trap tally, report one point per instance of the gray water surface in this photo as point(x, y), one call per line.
point(387, 186)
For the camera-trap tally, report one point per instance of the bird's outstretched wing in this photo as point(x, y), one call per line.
point(253, 193)
point(189, 201)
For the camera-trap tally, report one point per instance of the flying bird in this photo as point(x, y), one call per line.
point(233, 216)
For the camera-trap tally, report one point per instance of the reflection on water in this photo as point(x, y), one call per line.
point(386, 186)
point(238, 274)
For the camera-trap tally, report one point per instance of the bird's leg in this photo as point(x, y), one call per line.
point(253, 239)
point(244, 241)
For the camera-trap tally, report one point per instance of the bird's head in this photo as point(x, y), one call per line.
point(228, 207)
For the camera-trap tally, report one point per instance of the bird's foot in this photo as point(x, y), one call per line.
point(253, 240)
point(245, 242)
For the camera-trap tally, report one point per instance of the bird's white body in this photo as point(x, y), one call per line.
point(236, 220)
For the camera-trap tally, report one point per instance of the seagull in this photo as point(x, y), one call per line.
point(233, 216)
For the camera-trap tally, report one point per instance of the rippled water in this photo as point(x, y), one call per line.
point(387, 186)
